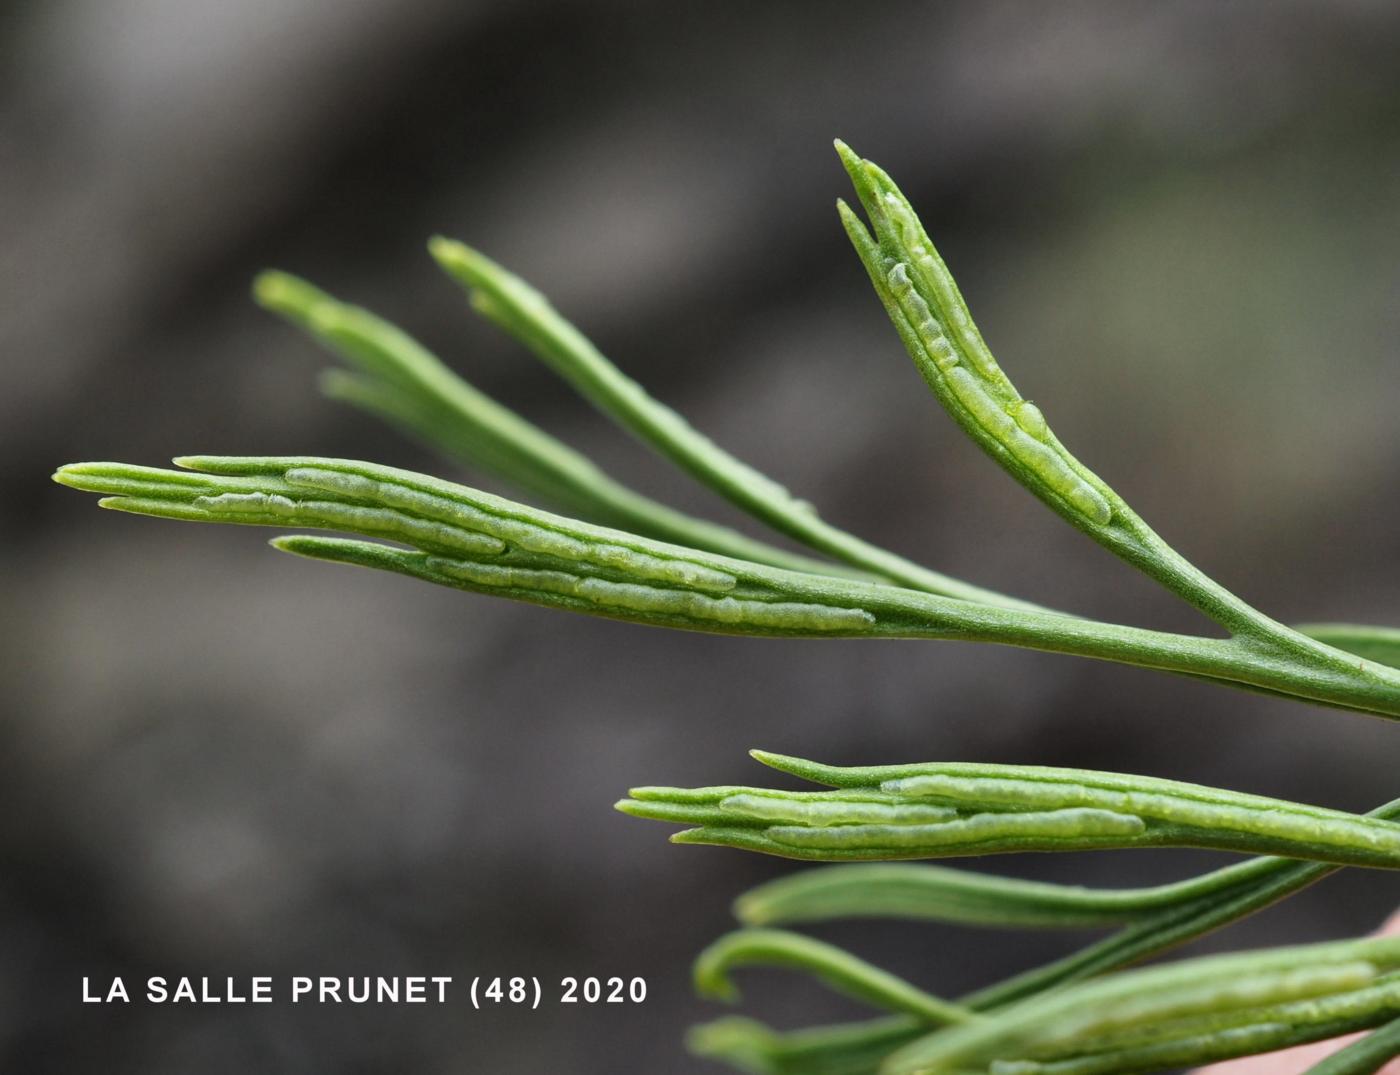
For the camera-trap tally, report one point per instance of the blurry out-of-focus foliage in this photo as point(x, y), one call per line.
point(1178, 224)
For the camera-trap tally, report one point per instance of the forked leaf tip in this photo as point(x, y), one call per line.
point(71, 474)
point(784, 763)
point(749, 911)
point(272, 288)
point(859, 234)
point(850, 159)
point(317, 547)
point(711, 979)
point(471, 268)
point(200, 464)
point(650, 791)
point(742, 1042)
point(879, 175)
point(452, 254)
point(291, 296)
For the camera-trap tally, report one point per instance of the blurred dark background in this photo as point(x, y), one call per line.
point(1177, 223)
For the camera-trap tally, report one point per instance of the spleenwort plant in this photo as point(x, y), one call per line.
point(590, 544)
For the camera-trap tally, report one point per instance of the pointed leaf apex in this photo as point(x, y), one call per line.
point(72, 475)
point(784, 763)
point(438, 245)
point(849, 158)
point(451, 253)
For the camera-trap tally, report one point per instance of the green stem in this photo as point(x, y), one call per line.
point(836, 967)
point(401, 381)
point(933, 322)
point(523, 312)
point(940, 893)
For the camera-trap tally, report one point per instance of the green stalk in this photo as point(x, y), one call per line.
point(400, 380)
point(942, 809)
point(939, 893)
point(838, 969)
point(523, 312)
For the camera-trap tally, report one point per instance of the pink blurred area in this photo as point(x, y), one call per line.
point(1301, 1057)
